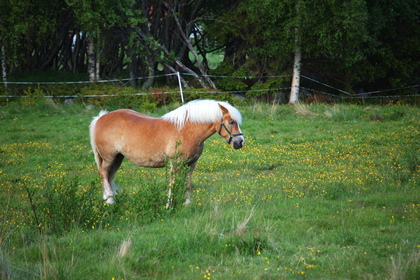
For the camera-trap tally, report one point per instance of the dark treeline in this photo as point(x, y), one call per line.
point(355, 45)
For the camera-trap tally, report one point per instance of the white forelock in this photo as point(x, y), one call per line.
point(201, 111)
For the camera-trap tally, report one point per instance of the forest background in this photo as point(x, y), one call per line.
point(357, 46)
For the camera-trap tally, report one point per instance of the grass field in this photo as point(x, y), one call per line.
point(318, 192)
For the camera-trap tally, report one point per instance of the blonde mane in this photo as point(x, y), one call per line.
point(201, 111)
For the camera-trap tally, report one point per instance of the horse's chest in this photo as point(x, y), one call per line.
point(195, 153)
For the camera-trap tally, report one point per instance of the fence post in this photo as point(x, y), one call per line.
point(180, 87)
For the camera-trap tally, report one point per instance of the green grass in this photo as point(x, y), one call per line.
point(318, 192)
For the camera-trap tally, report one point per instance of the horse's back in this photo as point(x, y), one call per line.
point(128, 114)
point(124, 118)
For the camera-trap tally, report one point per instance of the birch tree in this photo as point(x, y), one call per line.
point(3, 67)
point(297, 62)
point(294, 92)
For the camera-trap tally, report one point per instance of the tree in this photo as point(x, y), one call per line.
point(393, 60)
point(32, 33)
point(297, 63)
point(95, 17)
point(3, 67)
point(274, 33)
point(171, 24)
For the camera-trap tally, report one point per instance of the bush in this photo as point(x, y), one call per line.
point(60, 206)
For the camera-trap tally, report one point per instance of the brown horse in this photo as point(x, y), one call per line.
point(152, 142)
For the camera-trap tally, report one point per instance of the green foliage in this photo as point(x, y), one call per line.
point(100, 15)
point(267, 87)
point(358, 43)
point(232, 83)
point(339, 30)
point(26, 24)
point(33, 96)
point(194, 93)
point(110, 96)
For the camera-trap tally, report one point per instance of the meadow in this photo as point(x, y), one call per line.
point(318, 192)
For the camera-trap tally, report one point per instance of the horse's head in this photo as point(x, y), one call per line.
point(229, 129)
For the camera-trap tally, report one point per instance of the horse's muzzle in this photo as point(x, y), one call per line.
point(238, 142)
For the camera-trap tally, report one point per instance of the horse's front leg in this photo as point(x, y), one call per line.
point(169, 203)
point(171, 183)
point(174, 171)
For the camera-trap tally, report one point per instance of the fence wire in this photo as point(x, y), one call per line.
point(346, 96)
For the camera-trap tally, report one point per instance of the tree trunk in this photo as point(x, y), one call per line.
point(3, 67)
point(294, 92)
point(132, 67)
point(151, 71)
point(197, 59)
point(97, 67)
point(75, 52)
point(93, 61)
point(187, 42)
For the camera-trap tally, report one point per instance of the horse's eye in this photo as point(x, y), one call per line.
point(231, 122)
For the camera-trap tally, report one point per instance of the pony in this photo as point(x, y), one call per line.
point(154, 142)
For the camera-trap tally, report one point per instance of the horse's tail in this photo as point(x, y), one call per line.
point(92, 134)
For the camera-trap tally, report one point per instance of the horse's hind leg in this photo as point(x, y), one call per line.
point(107, 190)
point(114, 168)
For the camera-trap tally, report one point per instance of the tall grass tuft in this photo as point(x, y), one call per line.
point(62, 206)
point(177, 172)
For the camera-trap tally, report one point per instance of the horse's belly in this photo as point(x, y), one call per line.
point(151, 161)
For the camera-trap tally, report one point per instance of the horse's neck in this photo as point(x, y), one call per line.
point(197, 131)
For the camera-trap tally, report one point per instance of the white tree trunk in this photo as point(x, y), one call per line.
point(294, 92)
point(97, 67)
point(93, 61)
point(3, 67)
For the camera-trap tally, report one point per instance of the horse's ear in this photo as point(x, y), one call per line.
point(224, 110)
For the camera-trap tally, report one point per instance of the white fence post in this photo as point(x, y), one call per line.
point(180, 86)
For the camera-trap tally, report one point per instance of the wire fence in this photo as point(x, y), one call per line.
point(318, 87)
